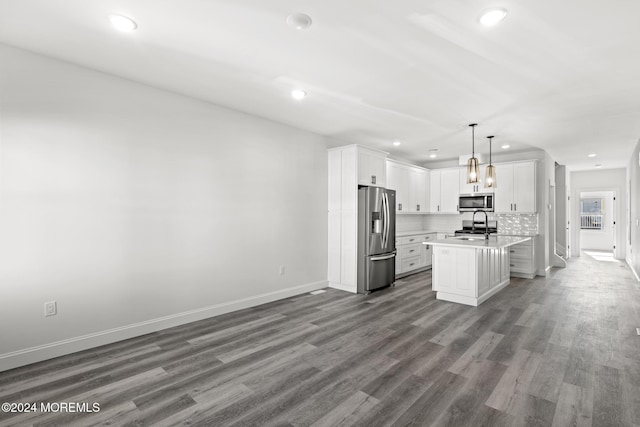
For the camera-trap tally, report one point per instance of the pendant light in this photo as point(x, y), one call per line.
point(473, 170)
point(490, 172)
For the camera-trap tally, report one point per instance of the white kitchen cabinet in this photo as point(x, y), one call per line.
point(516, 187)
point(435, 191)
point(398, 180)
point(418, 179)
point(521, 260)
point(345, 172)
point(444, 190)
point(410, 184)
point(372, 167)
point(478, 187)
point(413, 256)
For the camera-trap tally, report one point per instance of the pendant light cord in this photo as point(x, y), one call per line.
point(473, 139)
point(490, 139)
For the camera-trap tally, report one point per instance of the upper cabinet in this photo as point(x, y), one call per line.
point(444, 190)
point(418, 184)
point(478, 187)
point(516, 187)
point(411, 184)
point(372, 168)
point(398, 180)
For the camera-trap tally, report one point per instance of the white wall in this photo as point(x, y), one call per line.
point(632, 234)
point(137, 209)
point(600, 239)
point(599, 180)
point(562, 211)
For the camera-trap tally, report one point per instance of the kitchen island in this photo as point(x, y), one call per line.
point(469, 270)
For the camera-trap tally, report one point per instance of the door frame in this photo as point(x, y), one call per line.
point(575, 218)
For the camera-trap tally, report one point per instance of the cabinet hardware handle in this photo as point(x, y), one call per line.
point(412, 250)
point(399, 206)
point(418, 208)
point(513, 265)
point(515, 206)
point(411, 240)
point(438, 208)
point(373, 179)
point(411, 264)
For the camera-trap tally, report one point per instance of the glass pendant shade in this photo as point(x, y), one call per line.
point(490, 177)
point(473, 171)
point(490, 172)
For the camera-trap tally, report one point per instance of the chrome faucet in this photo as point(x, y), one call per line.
point(486, 223)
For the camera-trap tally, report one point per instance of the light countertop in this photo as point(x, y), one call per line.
point(479, 242)
point(412, 233)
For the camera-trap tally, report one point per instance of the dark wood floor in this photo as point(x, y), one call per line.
point(559, 351)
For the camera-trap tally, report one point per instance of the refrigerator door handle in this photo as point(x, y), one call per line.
point(386, 219)
point(382, 258)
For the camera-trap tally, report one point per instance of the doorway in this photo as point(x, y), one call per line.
point(597, 221)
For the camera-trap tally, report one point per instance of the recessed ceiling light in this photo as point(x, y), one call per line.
point(505, 146)
point(491, 17)
point(299, 21)
point(598, 166)
point(123, 23)
point(396, 143)
point(433, 156)
point(298, 94)
point(591, 155)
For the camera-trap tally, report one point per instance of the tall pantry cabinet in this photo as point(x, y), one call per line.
point(349, 166)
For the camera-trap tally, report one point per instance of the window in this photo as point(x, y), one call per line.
point(591, 213)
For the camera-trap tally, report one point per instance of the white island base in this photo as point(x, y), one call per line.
point(470, 272)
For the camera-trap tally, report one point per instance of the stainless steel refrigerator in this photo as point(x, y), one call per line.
point(376, 238)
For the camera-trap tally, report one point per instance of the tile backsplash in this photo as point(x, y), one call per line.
point(408, 223)
point(525, 224)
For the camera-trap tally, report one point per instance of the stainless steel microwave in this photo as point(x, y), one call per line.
point(475, 202)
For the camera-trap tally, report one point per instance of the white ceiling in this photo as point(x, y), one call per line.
point(563, 76)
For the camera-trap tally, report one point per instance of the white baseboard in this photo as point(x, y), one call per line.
point(460, 299)
point(346, 288)
point(60, 348)
point(544, 272)
point(635, 273)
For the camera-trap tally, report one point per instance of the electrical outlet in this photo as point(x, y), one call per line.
point(50, 308)
point(281, 270)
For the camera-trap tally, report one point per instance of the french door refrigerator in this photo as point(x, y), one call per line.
point(376, 238)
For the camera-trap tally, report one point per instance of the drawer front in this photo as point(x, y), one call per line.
point(408, 240)
point(521, 265)
point(521, 251)
point(408, 251)
point(417, 238)
point(411, 263)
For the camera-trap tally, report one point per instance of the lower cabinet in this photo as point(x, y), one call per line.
point(413, 255)
point(522, 260)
